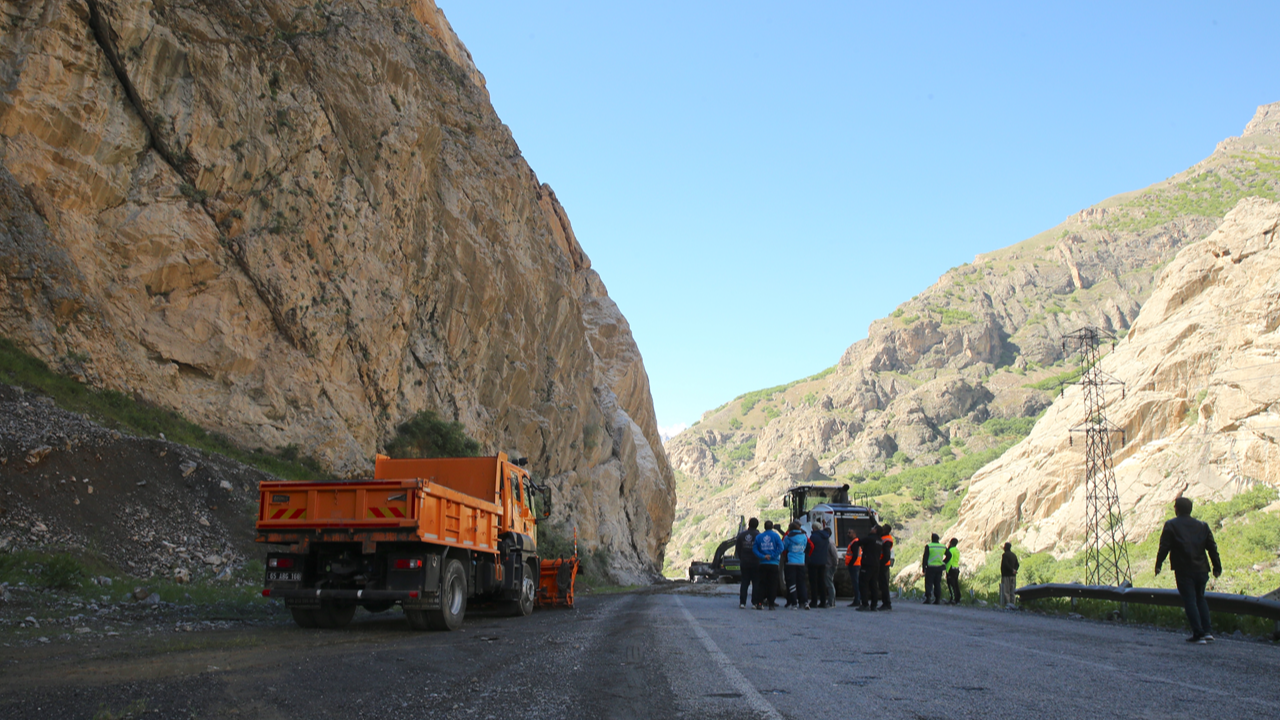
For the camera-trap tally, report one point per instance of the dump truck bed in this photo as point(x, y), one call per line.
point(416, 509)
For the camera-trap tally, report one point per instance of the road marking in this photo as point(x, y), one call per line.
point(1112, 668)
point(736, 678)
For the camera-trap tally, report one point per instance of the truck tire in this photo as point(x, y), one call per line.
point(332, 616)
point(305, 617)
point(523, 607)
point(453, 598)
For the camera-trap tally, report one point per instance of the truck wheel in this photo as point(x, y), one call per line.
point(523, 607)
point(332, 616)
point(305, 617)
point(453, 599)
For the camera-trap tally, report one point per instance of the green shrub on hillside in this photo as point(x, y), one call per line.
point(744, 453)
point(1004, 427)
point(425, 435)
point(1055, 383)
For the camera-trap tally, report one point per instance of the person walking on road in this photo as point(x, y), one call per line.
point(1185, 541)
point(816, 564)
point(795, 545)
point(871, 567)
point(951, 561)
point(744, 548)
point(931, 564)
point(1008, 576)
point(833, 559)
point(767, 547)
point(886, 565)
point(853, 563)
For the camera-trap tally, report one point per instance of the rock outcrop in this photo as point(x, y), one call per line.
point(984, 343)
point(1200, 413)
point(301, 223)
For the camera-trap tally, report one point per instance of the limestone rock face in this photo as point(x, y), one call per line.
point(1201, 410)
point(982, 344)
point(300, 224)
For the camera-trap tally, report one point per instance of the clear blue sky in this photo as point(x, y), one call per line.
point(756, 182)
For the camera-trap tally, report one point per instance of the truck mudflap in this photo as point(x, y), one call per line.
point(312, 596)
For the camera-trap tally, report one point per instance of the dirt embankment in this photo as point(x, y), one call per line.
point(150, 507)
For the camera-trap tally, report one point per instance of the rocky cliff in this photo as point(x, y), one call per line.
point(1200, 413)
point(299, 224)
point(958, 372)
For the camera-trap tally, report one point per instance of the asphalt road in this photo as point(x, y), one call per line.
point(660, 656)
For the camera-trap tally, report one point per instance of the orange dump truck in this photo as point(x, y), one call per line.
point(427, 534)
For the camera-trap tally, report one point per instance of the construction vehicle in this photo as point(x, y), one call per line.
point(830, 505)
point(428, 535)
point(725, 566)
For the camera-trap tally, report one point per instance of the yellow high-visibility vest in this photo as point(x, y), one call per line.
point(936, 551)
point(954, 562)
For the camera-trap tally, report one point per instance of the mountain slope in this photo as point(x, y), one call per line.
point(961, 370)
point(1200, 411)
point(299, 224)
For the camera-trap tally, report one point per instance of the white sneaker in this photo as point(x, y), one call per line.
point(1208, 638)
point(742, 606)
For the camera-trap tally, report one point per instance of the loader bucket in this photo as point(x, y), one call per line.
point(555, 586)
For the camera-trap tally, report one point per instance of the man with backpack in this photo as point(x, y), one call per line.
point(768, 548)
point(744, 548)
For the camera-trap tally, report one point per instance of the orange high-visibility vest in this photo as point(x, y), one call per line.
point(889, 560)
point(849, 555)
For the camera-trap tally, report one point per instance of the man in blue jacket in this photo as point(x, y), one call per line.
point(767, 547)
point(795, 546)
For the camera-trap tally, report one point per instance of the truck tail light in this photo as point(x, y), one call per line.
point(408, 564)
point(280, 562)
point(413, 593)
point(266, 592)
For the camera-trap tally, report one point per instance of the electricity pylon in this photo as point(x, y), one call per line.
point(1106, 559)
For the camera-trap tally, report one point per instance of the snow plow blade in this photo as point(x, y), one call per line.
point(555, 586)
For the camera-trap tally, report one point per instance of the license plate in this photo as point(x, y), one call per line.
point(285, 576)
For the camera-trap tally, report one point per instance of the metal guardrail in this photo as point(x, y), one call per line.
point(1218, 602)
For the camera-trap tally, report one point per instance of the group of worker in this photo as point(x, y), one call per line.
point(807, 562)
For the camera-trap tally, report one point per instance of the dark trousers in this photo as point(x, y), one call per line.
point(855, 571)
point(953, 584)
point(818, 583)
point(883, 584)
point(767, 583)
point(749, 578)
point(872, 578)
point(1191, 588)
point(933, 584)
point(797, 593)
